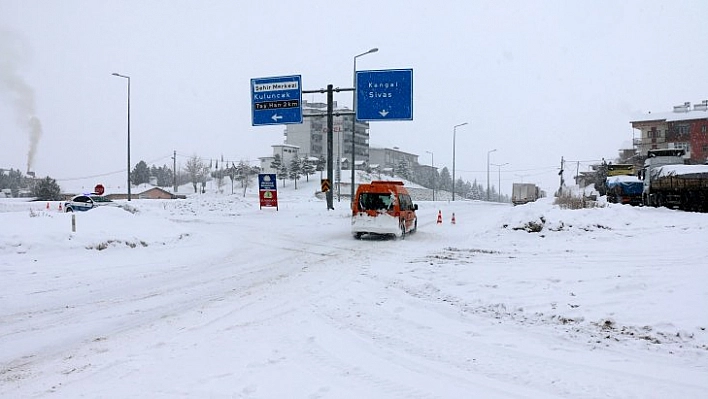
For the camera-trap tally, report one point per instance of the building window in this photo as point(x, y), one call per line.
point(703, 129)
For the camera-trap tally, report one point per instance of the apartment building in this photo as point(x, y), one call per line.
point(311, 135)
point(684, 128)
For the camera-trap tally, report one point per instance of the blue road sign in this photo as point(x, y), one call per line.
point(276, 100)
point(384, 95)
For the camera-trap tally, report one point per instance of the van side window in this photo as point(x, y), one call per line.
point(404, 201)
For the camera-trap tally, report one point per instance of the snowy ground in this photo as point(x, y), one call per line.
point(210, 297)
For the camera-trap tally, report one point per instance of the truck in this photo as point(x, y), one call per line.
point(522, 193)
point(623, 189)
point(670, 183)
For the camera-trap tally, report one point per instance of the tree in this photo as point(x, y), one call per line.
point(445, 181)
point(320, 166)
point(13, 180)
point(295, 170)
point(403, 170)
point(140, 174)
point(280, 168)
point(47, 189)
point(196, 169)
point(460, 187)
point(163, 175)
point(308, 168)
point(219, 175)
point(243, 172)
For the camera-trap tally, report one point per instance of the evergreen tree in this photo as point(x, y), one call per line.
point(140, 174)
point(280, 168)
point(403, 170)
point(308, 168)
point(12, 180)
point(295, 170)
point(47, 189)
point(164, 175)
point(321, 165)
point(460, 187)
point(445, 181)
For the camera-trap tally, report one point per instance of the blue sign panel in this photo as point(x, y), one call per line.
point(384, 95)
point(276, 100)
point(266, 181)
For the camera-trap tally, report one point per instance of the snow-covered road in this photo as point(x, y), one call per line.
point(212, 297)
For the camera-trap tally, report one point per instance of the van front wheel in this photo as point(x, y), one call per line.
point(403, 230)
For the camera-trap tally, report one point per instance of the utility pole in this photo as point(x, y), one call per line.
point(562, 183)
point(174, 171)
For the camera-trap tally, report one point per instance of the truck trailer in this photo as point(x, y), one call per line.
point(522, 193)
point(669, 182)
point(679, 186)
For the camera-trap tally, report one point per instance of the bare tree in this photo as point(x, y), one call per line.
point(196, 170)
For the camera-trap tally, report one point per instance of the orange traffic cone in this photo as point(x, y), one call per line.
point(47, 205)
point(453, 218)
point(439, 217)
point(60, 207)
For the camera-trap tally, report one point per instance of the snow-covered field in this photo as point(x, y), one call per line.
point(210, 297)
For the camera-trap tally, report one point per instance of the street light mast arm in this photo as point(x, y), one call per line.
point(352, 166)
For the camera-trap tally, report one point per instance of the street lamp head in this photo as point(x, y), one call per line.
point(373, 50)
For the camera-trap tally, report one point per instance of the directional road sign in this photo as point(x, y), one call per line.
point(276, 100)
point(384, 95)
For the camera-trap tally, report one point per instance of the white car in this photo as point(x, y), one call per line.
point(85, 202)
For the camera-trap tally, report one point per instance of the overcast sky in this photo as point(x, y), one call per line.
point(536, 80)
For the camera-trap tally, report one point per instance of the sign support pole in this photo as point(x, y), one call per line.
point(330, 143)
point(330, 133)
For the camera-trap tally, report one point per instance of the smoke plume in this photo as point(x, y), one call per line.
point(21, 94)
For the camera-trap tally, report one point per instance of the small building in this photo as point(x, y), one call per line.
point(159, 193)
point(286, 152)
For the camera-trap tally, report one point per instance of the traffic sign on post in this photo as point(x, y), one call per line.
point(276, 100)
point(384, 95)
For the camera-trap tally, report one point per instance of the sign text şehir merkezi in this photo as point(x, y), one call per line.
point(276, 100)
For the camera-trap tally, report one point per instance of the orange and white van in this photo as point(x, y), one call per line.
point(383, 207)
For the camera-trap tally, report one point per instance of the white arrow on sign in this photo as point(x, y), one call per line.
point(275, 117)
point(383, 113)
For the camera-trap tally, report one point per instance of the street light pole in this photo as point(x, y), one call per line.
point(432, 170)
point(127, 77)
point(352, 166)
point(488, 152)
point(499, 187)
point(454, 133)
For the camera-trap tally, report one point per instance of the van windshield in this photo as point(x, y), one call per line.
point(375, 201)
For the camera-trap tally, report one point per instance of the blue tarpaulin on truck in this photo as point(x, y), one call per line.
point(628, 185)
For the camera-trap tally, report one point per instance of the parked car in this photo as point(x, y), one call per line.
point(85, 202)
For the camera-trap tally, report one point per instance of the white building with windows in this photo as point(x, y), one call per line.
point(285, 151)
point(310, 136)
